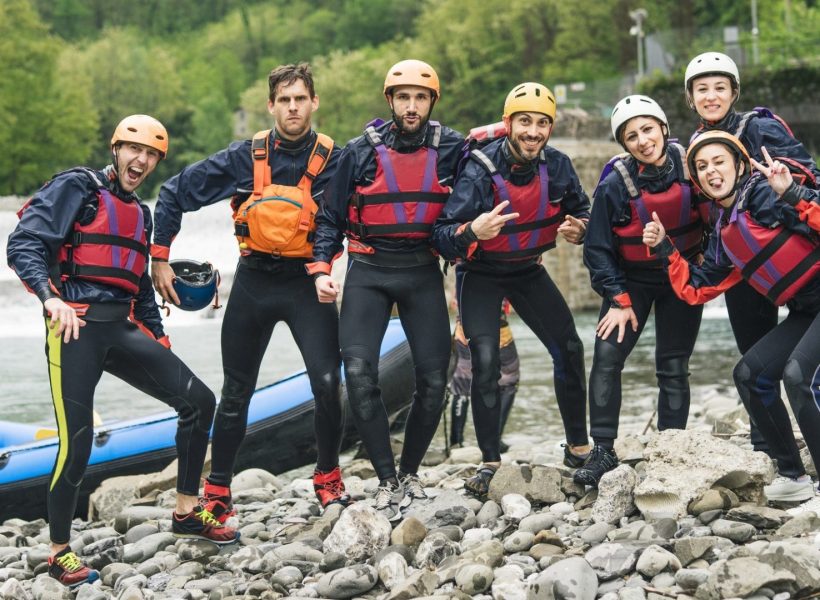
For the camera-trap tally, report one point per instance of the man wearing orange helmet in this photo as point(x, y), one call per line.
point(513, 198)
point(82, 247)
point(390, 186)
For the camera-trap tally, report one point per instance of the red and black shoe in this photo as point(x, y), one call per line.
point(216, 499)
point(67, 568)
point(329, 487)
point(200, 524)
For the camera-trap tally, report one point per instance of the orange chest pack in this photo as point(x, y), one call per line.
point(280, 219)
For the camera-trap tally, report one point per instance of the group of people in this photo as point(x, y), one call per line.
point(668, 227)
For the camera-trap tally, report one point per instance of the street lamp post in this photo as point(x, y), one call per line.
point(638, 15)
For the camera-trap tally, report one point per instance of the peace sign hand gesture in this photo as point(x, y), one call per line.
point(776, 172)
point(488, 225)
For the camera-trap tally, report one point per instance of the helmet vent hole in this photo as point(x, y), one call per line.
point(132, 130)
point(427, 75)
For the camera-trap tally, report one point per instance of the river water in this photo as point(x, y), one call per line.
point(25, 397)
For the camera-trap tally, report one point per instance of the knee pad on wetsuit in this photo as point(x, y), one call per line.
point(236, 394)
point(325, 387)
point(79, 451)
point(486, 369)
point(430, 388)
point(362, 388)
point(797, 385)
point(199, 406)
point(673, 379)
point(606, 373)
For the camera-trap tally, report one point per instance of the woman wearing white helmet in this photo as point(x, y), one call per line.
point(650, 177)
point(712, 86)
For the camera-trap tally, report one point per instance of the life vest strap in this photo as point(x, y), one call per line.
point(71, 269)
point(261, 169)
point(796, 273)
point(79, 237)
point(766, 253)
point(362, 200)
point(319, 156)
point(677, 231)
point(541, 223)
point(363, 231)
point(514, 254)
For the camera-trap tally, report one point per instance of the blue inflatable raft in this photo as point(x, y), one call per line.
point(279, 436)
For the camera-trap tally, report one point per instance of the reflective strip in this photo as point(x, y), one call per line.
point(741, 126)
point(55, 373)
point(624, 173)
point(682, 155)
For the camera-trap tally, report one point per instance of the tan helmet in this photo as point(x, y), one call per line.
point(412, 72)
point(710, 63)
point(734, 145)
point(530, 97)
point(144, 130)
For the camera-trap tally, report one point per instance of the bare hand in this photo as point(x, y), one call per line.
point(163, 277)
point(572, 229)
point(778, 174)
point(487, 225)
point(653, 232)
point(64, 319)
point(326, 288)
point(616, 317)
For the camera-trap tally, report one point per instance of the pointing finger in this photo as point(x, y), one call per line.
point(766, 155)
point(759, 167)
point(499, 207)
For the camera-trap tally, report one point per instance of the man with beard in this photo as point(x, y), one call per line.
point(277, 181)
point(508, 206)
point(391, 184)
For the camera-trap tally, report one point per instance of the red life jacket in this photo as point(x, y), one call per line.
point(112, 249)
point(775, 261)
point(405, 198)
point(535, 230)
point(676, 210)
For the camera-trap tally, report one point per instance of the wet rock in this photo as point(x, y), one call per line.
point(409, 532)
point(569, 579)
point(615, 495)
point(733, 530)
point(359, 533)
point(536, 483)
point(655, 560)
point(762, 517)
point(683, 464)
point(348, 582)
point(474, 579)
point(515, 506)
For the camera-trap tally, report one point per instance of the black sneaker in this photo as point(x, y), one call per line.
point(599, 462)
point(573, 461)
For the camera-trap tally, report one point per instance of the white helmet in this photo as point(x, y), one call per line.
point(635, 106)
point(711, 63)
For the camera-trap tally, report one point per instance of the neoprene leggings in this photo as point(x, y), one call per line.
point(370, 292)
point(540, 305)
point(751, 316)
point(790, 352)
point(259, 300)
point(119, 348)
point(676, 329)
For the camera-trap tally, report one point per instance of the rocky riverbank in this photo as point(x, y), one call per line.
point(682, 517)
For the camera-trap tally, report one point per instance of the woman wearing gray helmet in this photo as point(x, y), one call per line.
point(650, 177)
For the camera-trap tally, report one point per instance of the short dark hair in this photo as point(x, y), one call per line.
point(287, 74)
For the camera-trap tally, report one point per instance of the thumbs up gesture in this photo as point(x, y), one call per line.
point(653, 232)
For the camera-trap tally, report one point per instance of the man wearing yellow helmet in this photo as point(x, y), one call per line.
point(391, 185)
point(82, 247)
point(510, 202)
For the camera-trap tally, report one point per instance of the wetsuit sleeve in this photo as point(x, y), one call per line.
point(449, 153)
point(574, 200)
point(770, 210)
point(697, 284)
point(331, 220)
point(770, 133)
point(45, 224)
point(600, 245)
point(806, 202)
point(146, 312)
point(203, 183)
point(472, 195)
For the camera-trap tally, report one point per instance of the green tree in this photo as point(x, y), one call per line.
point(46, 119)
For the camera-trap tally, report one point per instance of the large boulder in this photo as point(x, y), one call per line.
point(538, 484)
point(615, 495)
point(682, 465)
point(359, 533)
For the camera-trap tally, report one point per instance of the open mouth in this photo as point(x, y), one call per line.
point(133, 174)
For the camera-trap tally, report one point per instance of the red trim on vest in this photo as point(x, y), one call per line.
point(111, 249)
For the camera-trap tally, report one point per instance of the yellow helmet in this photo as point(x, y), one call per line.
point(144, 130)
point(530, 97)
point(412, 72)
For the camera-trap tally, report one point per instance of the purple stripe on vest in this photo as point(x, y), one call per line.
point(640, 208)
point(755, 277)
point(430, 173)
point(390, 178)
point(685, 205)
point(742, 223)
point(132, 254)
point(113, 225)
point(543, 202)
point(504, 194)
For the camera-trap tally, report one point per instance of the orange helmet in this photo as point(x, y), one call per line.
point(412, 72)
point(144, 130)
point(734, 145)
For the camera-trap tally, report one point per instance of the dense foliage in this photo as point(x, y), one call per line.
point(70, 69)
